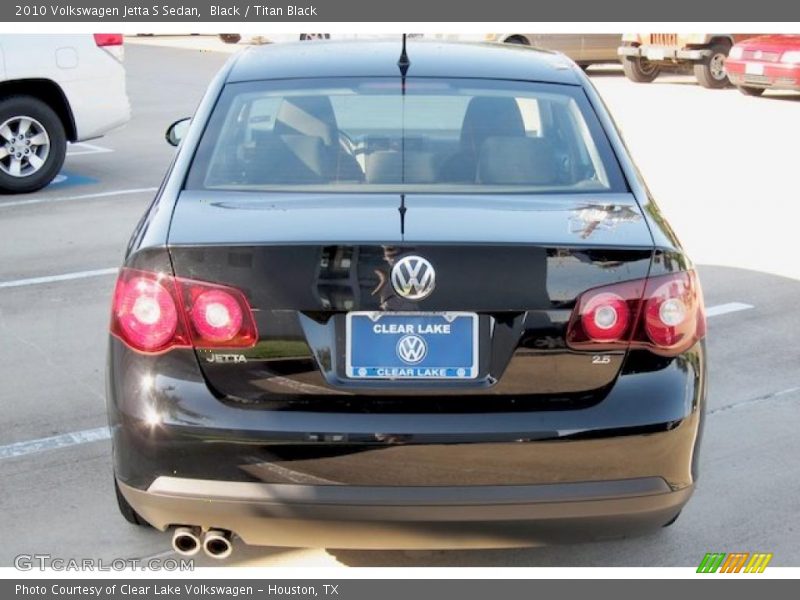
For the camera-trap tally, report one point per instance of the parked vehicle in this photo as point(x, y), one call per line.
point(55, 89)
point(585, 49)
point(272, 38)
point(403, 296)
point(644, 55)
point(767, 62)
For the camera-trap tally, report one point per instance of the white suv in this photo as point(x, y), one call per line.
point(55, 89)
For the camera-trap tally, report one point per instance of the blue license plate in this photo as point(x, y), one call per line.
point(395, 345)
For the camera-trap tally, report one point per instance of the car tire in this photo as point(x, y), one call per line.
point(518, 40)
point(19, 174)
point(710, 72)
point(640, 69)
point(750, 91)
point(127, 511)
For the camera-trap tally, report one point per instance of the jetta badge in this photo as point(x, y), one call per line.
point(411, 349)
point(413, 277)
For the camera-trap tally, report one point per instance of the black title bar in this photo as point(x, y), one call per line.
point(374, 589)
point(309, 11)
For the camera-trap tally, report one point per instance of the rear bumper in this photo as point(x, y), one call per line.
point(408, 518)
point(372, 479)
point(658, 53)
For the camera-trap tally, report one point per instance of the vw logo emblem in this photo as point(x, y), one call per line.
point(411, 349)
point(413, 277)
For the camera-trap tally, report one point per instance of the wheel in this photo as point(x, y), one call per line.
point(126, 510)
point(32, 144)
point(230, 38)
point(750, 91)
point(710, 72)
point(518, 39)
point(640, 69)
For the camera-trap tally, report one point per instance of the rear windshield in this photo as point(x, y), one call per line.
point(429, 135)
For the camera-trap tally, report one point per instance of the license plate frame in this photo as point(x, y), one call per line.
point(429, 367)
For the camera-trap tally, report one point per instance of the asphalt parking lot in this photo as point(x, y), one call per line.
point(724, 168)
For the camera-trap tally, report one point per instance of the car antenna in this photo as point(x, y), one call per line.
point(402, 210)
point(403, 63)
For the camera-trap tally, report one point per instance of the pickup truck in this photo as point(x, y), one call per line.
point(644, 55)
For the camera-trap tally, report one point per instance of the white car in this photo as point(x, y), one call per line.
point(55, 89)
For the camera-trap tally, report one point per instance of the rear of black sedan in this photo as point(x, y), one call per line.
point(416, 305)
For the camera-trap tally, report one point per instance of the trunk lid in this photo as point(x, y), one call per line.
point(305, 261)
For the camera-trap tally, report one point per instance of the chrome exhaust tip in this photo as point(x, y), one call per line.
point(217, 544)
point(185, 541)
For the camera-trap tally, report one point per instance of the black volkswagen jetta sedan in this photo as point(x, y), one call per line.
point(403, 298)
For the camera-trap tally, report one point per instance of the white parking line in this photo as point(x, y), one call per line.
point(102, 433)
point(55, 442)
point(44, 199)
point(57, 278)
point(724, 309)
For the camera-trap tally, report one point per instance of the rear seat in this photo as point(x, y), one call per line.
point(386, 166)
point(517, 161)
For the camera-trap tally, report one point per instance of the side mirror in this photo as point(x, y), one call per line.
point(177, 131)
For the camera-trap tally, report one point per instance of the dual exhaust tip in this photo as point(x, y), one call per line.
point(216, 543)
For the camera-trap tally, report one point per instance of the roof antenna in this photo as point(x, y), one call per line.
point(404, 62)
point(402, 210)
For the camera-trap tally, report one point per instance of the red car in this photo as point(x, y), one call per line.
point(765, 62)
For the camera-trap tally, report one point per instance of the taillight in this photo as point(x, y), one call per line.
point(146, 312)
point(674, 315)
point(153, 313)
point(111, 43)
point(220, 317)
point(664, 314)
point(108, 39)
point(605, 317)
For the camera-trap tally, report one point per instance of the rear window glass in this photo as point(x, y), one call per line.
point(429, 135)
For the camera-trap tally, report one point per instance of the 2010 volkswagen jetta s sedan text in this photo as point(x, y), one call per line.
point(403, 297)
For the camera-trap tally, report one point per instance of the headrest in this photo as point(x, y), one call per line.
point(307, 115)
point(488, 116)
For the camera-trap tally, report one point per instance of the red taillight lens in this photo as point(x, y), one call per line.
point(220, 316)
point(605, 317)
point(146, 312)
point(108, 39)
point(216, 316)
point(674, 316)
point(153, 313)
point(664, 314)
